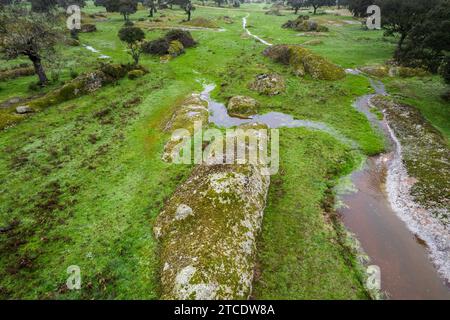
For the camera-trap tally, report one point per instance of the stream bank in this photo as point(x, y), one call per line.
point(399, 235)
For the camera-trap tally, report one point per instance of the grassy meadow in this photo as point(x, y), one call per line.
point(83, 181)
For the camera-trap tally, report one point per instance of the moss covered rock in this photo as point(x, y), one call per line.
point(190, 110)
point(183, 36)
point(83, 84)
point(304, 61)
point(424, 154)
point(268, 84)
point(134, 74)
point(207, 233)
point(407, 72)
point(303, 23)
point(242, 106)
point(16, 72)
point(175, 48)
point(202, 23)
point(378, 71)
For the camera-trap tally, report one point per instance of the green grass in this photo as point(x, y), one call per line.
point(84, 179)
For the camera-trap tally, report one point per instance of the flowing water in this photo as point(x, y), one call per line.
point(403, 256)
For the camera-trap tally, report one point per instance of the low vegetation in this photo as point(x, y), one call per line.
point(86, 168)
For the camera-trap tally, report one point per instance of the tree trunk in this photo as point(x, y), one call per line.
point(315, 9)
point(151, 13)
point(400, 42)
point(296, 10)
point(38, 69)
point(189, 15)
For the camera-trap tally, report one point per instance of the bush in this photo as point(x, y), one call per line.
point(158, 46)
point(73, 74)
point(33, 86)
point(184, 37)
point(114, 70)
point(134, 74)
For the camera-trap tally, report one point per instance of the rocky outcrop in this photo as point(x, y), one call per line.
point(303, 23)
point(23, 109)
point(378, 71)
point(425, 155)
point(268, 84)
point(242, 106)
point(207, 233)
point(303, 61)
point(381, 71)
point(190, 110)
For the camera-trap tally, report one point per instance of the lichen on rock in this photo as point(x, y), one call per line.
point(425, 155)
point(303, 23)
point(242, 106)
point(211, 253)
point(192, 109)
point(304, 61)
point(268, 84)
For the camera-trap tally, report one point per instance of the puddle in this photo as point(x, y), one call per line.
point(382, 216)
point(218, 115)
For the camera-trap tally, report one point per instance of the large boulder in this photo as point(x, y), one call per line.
point(242, 106)
point(189, 111)
point(268, 84)
point(407, 72)
point(208, 231)
point(24, 109)
point(303, 61)
point(378, 71)
point(302, 23)
point(175, 48)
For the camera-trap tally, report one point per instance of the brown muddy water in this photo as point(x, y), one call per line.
point(407, 271)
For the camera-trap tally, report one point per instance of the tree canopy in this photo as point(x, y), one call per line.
point(27, 33)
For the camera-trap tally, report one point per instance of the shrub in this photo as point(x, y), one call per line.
point(184, 37)
point(114, 70)
point(134, 74)
point(73, 74)
point(302, 23)
point(158, 46)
